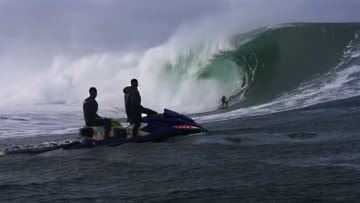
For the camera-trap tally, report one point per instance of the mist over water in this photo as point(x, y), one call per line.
point(158, 71)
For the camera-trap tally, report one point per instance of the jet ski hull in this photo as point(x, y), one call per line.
point(157, 127)
point(153, 128)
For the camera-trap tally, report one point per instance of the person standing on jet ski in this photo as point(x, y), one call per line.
point(133, 106)
point(90, 107)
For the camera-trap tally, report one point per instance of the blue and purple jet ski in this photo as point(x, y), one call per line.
point(156, 127)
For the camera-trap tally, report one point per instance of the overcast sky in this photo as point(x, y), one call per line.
point(34, 31)
point(96, 25)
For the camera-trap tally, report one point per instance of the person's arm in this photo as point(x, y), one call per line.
point(136, 100)
point(96, 109)
point(92, 108)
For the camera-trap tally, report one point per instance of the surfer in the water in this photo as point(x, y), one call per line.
point(224, 102)
point(90, 107)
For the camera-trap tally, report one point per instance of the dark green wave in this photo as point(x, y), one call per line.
point(274, 61)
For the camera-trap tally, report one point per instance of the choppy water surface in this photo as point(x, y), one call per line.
point(311, 154)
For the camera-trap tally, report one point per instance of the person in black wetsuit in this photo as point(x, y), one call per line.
point(224, 102)
point(133, 106)
point(90, 107)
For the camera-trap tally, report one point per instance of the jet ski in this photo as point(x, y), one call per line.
point(156, 127)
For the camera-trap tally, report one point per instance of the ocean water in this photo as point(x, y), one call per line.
point(304, 155)
point(290, 134)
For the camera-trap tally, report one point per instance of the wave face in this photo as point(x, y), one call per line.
point(265, 70)
point(289, 56)
point(284, 67)
point(292, 66)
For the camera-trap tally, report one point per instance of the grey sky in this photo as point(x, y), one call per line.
point(96, 25)
point(32, 32)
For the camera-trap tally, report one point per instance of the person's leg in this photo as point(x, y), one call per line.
point(148, 111)
point(136, 121)
point(135, 129)
point(107, 125)
point(103, 122)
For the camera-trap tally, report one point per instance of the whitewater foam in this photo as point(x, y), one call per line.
point(168, 78)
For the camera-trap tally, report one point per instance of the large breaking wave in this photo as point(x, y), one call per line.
point(287, 57)
point(266, 70)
